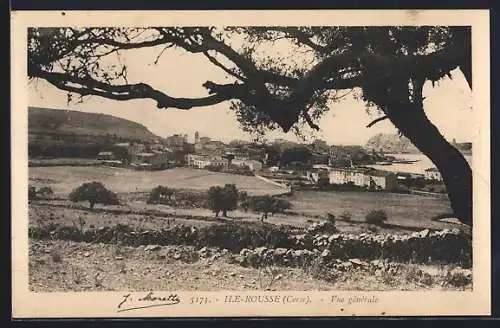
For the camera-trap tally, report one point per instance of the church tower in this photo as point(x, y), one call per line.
point(196, 137)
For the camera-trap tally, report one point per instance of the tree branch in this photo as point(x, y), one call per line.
point(309, 120)
point(372, 123)
point(224, 68)
point(90, 86)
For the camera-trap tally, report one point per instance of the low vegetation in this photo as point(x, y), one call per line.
point(376, 217)
point(268, 204)
point(40, 193)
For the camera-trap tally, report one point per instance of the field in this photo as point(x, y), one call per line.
point(63, 179)
point(401, 209)
point(410, 211)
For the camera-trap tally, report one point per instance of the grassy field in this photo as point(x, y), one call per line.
point(63, 179)
point(401, 209)
point(404, 211)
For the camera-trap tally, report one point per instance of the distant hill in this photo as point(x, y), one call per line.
point(391, 143)
point(68, 122)
point(65, 133)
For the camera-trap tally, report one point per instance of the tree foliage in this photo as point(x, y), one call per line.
point(222, 199)
point(95, 193)
point(268, 204)
point(160, 194)
point(295, 154)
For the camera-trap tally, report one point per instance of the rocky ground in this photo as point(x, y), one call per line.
point(57, 265)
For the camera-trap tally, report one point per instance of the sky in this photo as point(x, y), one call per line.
point(448, 104)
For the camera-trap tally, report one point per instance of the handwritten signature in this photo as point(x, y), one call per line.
point(130, 302)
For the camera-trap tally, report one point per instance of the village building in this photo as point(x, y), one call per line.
point(152, 160)
point(274, 169)
point(253, 165)
point(176, 142)
point(202, 161)
point(108, 158)
point(318, 175)
point(105, 156)
point(347, 175)
point(363, 177)
point(433, 174)
point(381, 180)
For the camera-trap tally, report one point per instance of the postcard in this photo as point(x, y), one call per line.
point(250, 163)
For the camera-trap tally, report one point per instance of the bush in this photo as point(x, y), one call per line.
point(160, 194)
point(41, 193)
point(268, 204)
point(45, 193)
point(330, 218)
point(346, 216)
point(31, 192)
point(377, 217)
point(95, 193)
point(213, 168)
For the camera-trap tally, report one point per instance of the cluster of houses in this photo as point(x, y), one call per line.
point(205, 152)
point(361, 177)
point(203, 161)
point(136, 155)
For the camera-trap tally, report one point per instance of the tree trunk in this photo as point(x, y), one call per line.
point(455, 170)
point(224, 213)
point(91, 205)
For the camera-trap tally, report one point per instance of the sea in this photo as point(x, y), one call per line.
point(422, 163)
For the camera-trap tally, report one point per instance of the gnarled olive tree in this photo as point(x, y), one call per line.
point(271, 90)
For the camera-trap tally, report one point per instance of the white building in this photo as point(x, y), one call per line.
point(274, 169)
point(201, 161)
point(381, 180)
point(341, 176)
point(253, 165)
point(377, 179)
point(433, 174)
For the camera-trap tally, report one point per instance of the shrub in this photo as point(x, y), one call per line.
point(45, 193)
point(94, 193)
point(222, 199)
point(330, 218)
point(160, 194)
point(377, 217)
point(346, 216)
point(31, 192)
point(268, 204)
point(213, 168)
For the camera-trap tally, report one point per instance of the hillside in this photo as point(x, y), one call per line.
point(391, 143)
point(67, 122)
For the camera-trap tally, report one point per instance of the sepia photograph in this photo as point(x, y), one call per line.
point(253, 159)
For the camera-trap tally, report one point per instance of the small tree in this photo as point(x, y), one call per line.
point(244, 200)
point(377, 217)
point(268, 204)
point(95, 193)
point(160, 194)
point(222, 199)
